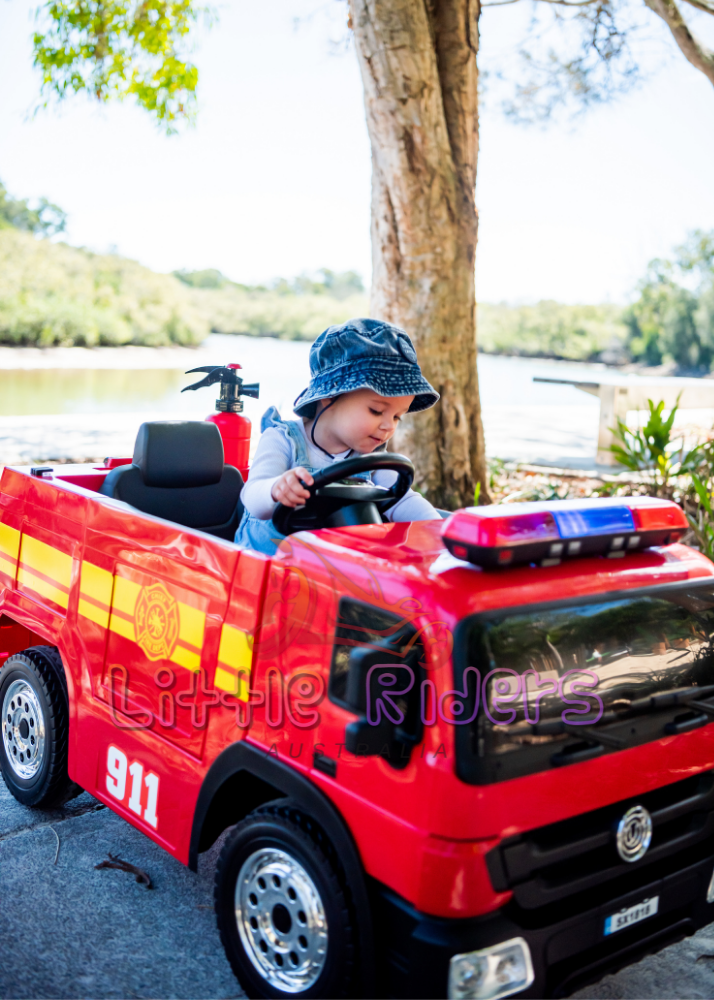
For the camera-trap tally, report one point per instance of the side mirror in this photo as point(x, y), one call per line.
point(384, 689)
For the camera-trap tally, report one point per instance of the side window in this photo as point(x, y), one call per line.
point(364, 626)
point(377, 669)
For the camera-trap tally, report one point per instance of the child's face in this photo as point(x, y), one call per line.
point(361, 420)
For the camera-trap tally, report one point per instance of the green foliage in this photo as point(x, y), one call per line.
point(262, 312)
point(45, 220)
point(552, 330)
point(337, 284)
point(672, 319)
point(55, 294)
point(210, 278)
point(650, 447)
point(702, 521)
point(119, 48)
point(697, 501)
point(674, 314)
point(292, 310)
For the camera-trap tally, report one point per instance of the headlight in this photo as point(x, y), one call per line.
point(492, 972)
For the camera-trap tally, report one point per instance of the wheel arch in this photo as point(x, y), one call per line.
point(243, 778)
point(16, 635)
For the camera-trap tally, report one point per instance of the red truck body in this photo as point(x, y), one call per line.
point(199, 679)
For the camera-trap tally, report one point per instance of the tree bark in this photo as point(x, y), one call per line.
point(418, 65)
point(698, 54)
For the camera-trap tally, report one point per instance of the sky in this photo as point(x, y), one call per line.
point(274, 179)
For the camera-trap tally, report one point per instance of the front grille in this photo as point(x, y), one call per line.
point(579, 855)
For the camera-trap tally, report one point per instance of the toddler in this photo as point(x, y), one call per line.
point(364, 378)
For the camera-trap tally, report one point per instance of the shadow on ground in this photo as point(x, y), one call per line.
point(69, 931)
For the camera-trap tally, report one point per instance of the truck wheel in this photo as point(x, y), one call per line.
point(281, 912)
point(35, 728)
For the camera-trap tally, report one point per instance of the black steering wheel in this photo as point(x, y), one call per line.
point(338, 500)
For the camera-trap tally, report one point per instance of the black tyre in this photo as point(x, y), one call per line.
point(281, 910)
point(35, 728)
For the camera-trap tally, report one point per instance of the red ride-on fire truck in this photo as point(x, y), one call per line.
point(471, 758)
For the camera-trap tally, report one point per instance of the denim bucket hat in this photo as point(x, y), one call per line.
point(364, 354)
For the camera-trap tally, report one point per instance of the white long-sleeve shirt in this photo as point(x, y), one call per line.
point(274, 456)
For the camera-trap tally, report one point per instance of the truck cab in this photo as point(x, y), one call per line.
point(471, 758)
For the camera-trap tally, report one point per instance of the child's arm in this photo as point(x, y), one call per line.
point(412, 506)
point(271, 479)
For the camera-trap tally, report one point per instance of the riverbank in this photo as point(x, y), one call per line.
point(72, 402)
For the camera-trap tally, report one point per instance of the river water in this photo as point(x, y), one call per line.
point(62, 403)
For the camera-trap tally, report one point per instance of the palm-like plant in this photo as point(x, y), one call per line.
point(650, 448)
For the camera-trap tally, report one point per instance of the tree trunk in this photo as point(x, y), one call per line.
point(418, 65)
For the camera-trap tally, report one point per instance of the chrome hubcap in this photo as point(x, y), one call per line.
point(281, 920)
point(23, 729)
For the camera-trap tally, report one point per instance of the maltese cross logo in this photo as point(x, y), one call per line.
point(157, 622)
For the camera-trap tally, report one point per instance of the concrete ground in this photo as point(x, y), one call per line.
point(69, 931)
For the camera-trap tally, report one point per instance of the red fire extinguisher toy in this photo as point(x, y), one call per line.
point(233, 426)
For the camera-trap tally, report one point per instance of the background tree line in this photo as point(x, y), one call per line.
point(54, 294)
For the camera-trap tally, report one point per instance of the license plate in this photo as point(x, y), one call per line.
point(631, 915)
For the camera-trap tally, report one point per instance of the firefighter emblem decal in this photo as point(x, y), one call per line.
point(157, 622)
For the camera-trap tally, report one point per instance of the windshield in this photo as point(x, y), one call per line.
point(571, 681)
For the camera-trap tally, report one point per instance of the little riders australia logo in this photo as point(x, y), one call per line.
point(157, 622)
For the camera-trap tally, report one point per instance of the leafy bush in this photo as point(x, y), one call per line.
point(674, 314)
point(552, 330)
point(273, 314)
point(56, 294)
point(651, 448)
point(45, 220)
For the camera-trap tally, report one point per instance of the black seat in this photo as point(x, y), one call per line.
point(178, 473)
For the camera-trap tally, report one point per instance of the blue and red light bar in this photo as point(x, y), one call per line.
point(547, 532)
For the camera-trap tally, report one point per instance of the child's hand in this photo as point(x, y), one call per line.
point(288, 490)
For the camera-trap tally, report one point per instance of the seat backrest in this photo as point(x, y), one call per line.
point(178, 473)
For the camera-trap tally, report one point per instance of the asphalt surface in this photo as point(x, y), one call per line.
point(70, 931)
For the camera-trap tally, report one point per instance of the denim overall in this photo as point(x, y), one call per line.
point(263, 536)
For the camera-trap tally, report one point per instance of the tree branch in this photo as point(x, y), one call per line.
point(698, 54)
point(706, 5)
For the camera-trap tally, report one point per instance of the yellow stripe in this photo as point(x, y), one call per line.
point(236, 649)
point(191, 625)
point(186, 658)
point(9, 541)
point(236, 684)
point(122, 627)
point(28, 579)
point(8, 565)
point(97, 583)
point(95, 614)
point(125, 595)
point(46, 559)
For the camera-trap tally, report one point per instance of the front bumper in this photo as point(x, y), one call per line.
point(414, 949)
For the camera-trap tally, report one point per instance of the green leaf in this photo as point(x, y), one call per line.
point(120, 49)
point(703, 494)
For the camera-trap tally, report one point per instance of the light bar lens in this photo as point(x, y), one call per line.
point(512, 529)
point(594, 521)
point(657, 516)
point(505, 534)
